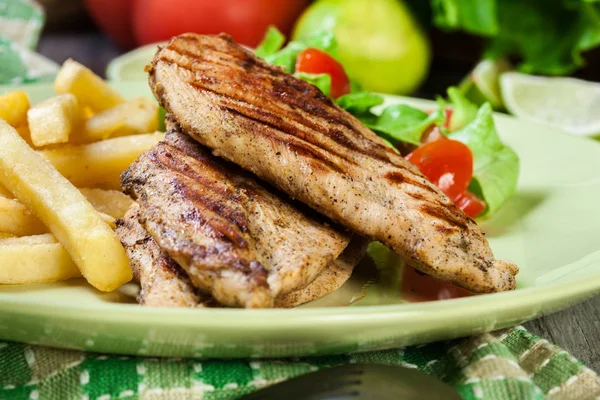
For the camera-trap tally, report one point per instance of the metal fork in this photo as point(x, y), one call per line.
point(359, 381)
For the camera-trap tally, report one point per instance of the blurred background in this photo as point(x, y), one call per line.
point(417, 47)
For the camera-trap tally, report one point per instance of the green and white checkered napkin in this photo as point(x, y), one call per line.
point(509, 364)
point(20, 24)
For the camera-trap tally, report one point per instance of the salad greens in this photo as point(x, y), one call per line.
point(272, 50)
point(322, 81)
point(463, 111)
point(548, 36)
point(398, 123)
point(495, 166)
point(271, 44)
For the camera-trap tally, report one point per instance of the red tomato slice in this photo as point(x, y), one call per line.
point(315, 61)
point(447, 163)
point(470, 204)
point(417, 287)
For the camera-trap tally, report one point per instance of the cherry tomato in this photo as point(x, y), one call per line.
point(447, 163)
point(245, 20)
point(470, 204)
point(419, 287)
point(315, 61)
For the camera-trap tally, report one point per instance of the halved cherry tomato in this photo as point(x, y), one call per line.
point(417, 287)
point(447, 163)
point(315, 61)
point(470, 204)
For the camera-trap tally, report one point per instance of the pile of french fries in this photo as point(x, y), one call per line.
point(60, 162)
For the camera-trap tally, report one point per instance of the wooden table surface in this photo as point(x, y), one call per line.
point(576, 329)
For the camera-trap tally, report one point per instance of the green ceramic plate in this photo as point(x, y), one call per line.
point(550, 228)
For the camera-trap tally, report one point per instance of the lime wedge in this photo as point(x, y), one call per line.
point(130, 66)
point(569, 103)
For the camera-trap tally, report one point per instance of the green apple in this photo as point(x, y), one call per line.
point(379, 42)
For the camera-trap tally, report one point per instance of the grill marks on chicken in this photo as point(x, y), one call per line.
point(162, 282)
point(288, 133)
point(236, 240)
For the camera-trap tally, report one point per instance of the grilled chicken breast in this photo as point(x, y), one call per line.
point(330, 279)
point(288, 133)
point(162, 282)
point(236, 239)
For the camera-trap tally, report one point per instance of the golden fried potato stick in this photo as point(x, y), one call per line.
point(88, 239)
point(100, 164)
point(91, 91)
point(34, 259)
point(110, 202)
point(13, 107)
point(17, 220)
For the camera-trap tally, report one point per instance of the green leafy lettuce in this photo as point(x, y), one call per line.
point(547, 36)
point(322, 81)
point(271, 44)
point(495, 165)
point(271, 47)
point(463, 111)
point(398, 123)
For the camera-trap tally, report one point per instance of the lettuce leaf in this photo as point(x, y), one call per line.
point(286, 57)
point(473, 16)
point(547, 36)
point(271, 44)
point(403, 124)
point(495, 166)
point(322, 81)
point(463, 111)
point(359, 103)
point(398, 123)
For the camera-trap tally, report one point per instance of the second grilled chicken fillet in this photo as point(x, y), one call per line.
point(236, 239)
point(288, 133)
point(330, 279)
point(162, 282)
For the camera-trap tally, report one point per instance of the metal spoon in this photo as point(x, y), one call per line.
point(359, 381)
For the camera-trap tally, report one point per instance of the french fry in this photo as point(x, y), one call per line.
point(34, 259)
point(99, 164)
point(4, 235)
point(53, 120)
point(5, 193)
point(89, 88)
point(16, 219)
point(111, 202)
point(25, 133)
point(13, 107)
point(136, 116)
point(90, 242)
